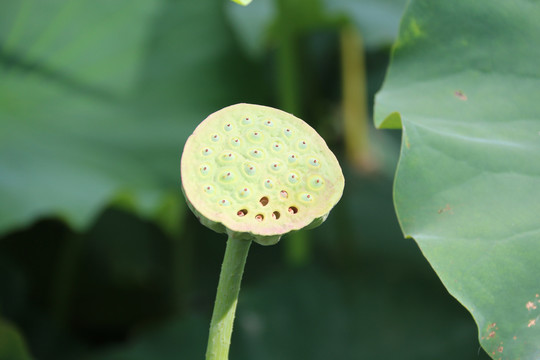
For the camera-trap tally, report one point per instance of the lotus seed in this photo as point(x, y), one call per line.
point(315, 182)
point(306, 197)
point(207, 151)
point(292, 158)
point(244, 193)
point(268, 184)
point(302, 145)
point(269, 123)
point(227, 176)
point(287, 132)
point(250, 169)
point(256, 153)
point(284, 194)
point(255, 136)
point(293, 178)
point(224, 202)
point(209, 189)
point(227, 157)
point(235, 142)
point(228, 127)
point(313, 162)
point(246, 121)
point(204, 169)
point(276, 146)
point(215, 138)
point(275, 166)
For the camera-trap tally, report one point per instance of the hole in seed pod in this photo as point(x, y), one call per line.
point(242, 212)
point(264, 201)
point(293, 210)
point(284, 194)
point(259, 217)
point(276, 215)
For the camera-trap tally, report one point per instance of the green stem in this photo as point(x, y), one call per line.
point(297, 249)
point(288, 64)
point(355, 112)
point(221, 325)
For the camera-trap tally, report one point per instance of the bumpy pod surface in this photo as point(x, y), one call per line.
point(257, 173)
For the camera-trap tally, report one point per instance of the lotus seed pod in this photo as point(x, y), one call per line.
point(257, 173)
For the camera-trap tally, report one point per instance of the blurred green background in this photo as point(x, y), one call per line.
point(99, 258)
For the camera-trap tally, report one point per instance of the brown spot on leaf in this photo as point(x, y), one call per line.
point(460, 95)
point(445, 209)
point(531, 323)
point(530, 306)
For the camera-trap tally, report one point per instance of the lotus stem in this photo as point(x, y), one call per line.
point(297, 249)
point(221, 326)
point(355, 112)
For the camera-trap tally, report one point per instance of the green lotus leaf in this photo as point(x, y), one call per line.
point(464, 84)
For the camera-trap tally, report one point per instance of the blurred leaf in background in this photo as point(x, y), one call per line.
point(377, 20)
point(97, 99)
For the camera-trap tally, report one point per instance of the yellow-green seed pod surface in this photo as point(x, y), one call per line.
point(257, 173)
